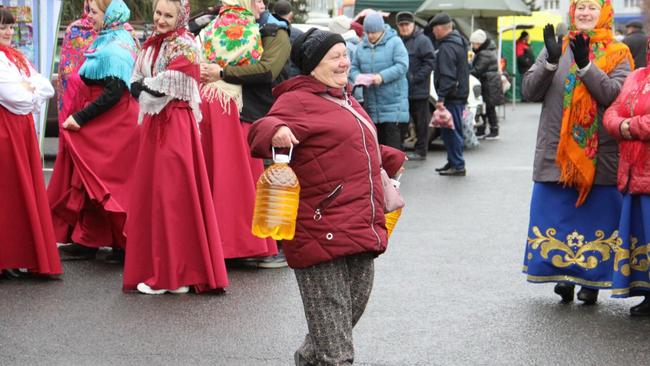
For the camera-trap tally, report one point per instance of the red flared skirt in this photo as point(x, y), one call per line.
point(232, 173)
point(88, 191)
point(26, 234)
point(173, 237)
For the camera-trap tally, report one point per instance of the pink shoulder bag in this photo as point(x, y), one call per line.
point(392, 197)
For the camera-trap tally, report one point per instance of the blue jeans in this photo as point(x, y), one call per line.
point(453, 139)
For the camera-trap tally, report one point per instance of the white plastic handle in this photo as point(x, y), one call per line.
point(290, 152)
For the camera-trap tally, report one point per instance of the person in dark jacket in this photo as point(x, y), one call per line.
point(421, 63)
point(257, 80)
point(451, 78)
point(637, 41)
point(282, 10)
point(485, 67)
point(340, 227)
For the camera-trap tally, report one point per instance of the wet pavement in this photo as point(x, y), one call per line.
point(449, 291)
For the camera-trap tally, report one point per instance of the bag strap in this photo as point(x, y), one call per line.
point(347, 105)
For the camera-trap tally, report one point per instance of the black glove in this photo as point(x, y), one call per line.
point(580, 49)
point(136, 89)
point(553, 45)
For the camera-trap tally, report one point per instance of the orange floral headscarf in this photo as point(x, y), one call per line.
point(577, 151)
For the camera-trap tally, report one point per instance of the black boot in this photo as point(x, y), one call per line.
point(443, 168)
point(77, 252)
point(588, 296)
point(643, 309)
point(565, 290)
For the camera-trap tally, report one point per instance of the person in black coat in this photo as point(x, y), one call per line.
point(637, 40)
point(421, 63)
point(485, 67)
point(451, 80)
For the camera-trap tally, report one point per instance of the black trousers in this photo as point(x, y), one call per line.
point(490, 118)
point(389, 134)
point(421, 115)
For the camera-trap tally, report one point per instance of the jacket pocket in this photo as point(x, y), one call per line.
point(325, 202)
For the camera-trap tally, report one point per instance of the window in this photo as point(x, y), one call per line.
point(554, 4)
point(633, 3)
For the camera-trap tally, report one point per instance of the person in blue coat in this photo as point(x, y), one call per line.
point(382, 58)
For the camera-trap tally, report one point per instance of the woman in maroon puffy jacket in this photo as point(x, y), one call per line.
point(628, 120)
point(340, 227)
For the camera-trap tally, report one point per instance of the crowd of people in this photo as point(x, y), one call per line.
point(161, 145)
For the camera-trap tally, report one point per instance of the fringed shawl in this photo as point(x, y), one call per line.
point(112, 54)
point(169, 64)
point(577, 152)
point(233, 38)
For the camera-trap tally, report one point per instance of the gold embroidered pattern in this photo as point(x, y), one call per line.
point(576, 250)
point(638, 260)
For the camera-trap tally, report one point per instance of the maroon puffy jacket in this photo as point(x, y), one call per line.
point(337, 165)
point(634, 163)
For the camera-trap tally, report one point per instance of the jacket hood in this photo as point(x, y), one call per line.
point(487, 45)
point(309, 84)
point(388, 34)
point(455, 38)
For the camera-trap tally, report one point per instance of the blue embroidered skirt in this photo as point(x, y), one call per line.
point(631, 272)
point(572, 244)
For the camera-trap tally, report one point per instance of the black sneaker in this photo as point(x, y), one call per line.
point(412, 156)
point(443, 168)
point(75, 251)
point(454, 172)
point(643, 309)
point(493, 135)
point(565, 290)
point(480, 133)
point(588, 296)
point(115, 257)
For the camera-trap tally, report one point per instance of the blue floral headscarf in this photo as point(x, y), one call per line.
point(113, 52)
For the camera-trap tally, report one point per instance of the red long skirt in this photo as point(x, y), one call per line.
point(232, 173)
point(88, 191)
point(173, 237)
point(26, 233)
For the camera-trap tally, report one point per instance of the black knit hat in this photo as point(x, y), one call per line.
point(310, 47)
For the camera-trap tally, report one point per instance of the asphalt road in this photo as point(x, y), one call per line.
point(449, 291)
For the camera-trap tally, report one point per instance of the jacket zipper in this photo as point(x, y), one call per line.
point(372, 185)
point(322, 205)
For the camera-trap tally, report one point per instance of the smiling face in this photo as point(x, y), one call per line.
point(165, 16)
point(333, 68)
point(96, 15)
point(586, 15)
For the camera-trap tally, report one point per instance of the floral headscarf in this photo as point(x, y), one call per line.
point(577, 151)
point(233, 38)
point(169, 64)
point(113, 52)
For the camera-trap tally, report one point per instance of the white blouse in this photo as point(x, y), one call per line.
point(14, 97)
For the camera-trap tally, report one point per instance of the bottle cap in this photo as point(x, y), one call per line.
point(281, 158)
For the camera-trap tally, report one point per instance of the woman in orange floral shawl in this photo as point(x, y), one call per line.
point(575, 205)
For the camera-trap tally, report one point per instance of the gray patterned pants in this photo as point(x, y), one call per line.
point(334, 295)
